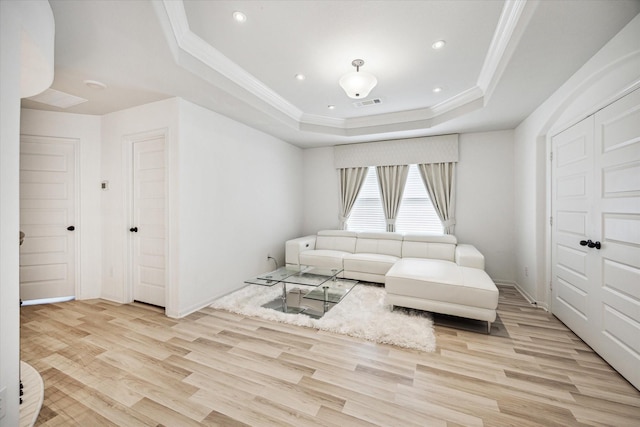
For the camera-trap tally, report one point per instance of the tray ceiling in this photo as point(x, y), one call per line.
point(500, 61)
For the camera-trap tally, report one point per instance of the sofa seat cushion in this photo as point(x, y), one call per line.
point(325, 258)
point(369, 263)
point(440, 280)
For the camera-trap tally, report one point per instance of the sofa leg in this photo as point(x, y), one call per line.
point(488, 328)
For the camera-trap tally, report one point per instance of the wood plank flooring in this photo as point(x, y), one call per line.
point(129, 365)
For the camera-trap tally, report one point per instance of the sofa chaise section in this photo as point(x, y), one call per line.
point(442, 287)
point(439, 275)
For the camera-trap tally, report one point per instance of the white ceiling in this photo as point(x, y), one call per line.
point(501, 60)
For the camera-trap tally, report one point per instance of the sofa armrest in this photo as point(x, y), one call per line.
point(469, 256)
point(294, 247)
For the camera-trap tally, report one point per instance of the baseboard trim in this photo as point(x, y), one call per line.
point(192, 309)
point(525, 295)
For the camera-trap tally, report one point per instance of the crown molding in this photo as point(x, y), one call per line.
point(499, 54)
point(189, 46)
point(463, 98)
point(199, 49)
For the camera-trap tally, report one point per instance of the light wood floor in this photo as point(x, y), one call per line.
point(129, 365)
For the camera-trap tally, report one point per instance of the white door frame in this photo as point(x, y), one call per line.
point(127, 180)
point(77, 199)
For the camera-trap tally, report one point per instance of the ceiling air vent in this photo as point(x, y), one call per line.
point(367, 102)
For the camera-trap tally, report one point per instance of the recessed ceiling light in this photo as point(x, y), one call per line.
point(300, 76)
point(437, 89)
point(239, 16)
point(439, 44)
point(94, 84)
point(331, 107)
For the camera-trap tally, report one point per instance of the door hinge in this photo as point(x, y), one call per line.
point(551, 156)
point(550, 286)
point(550, 220)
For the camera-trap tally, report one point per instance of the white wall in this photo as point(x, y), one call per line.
point(234, 197)
point(321, 191)
point(607, 75)
point(240, 198)
point(485, 197)
point(117, 128)
point(485, 200)
point(26, 50)
point(86, 129)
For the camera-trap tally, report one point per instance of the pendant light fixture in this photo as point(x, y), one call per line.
point(358, 84)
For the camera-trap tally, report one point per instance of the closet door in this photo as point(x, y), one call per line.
point(148, 230)
point(596, 232)
point(617, 216)
point(574, 264)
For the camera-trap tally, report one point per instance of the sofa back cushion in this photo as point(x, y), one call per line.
point(336, 240)
point(429, 246)
point(379, 243)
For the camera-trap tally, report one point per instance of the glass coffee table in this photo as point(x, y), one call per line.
point(328, 289)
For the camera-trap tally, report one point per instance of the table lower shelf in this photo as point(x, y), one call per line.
point(278, 305)
point(311, 311)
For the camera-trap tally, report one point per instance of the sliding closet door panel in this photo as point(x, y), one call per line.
point(617, 168)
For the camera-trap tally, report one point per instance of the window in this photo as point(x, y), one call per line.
point(416, 212)
point(367, 213)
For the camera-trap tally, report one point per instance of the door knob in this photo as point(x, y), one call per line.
point(133, 229)
point(590, 244)
point(71, 228)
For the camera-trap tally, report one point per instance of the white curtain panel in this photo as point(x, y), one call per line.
point(391, 180)
point(351, 180)
point(440, 180)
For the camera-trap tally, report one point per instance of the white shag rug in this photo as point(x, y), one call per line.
point(362, 314)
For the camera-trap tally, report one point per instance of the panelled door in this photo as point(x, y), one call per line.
point(47, 217)
point(617, 220)
point(573, 264)
point(596, 232)
point(148, 228)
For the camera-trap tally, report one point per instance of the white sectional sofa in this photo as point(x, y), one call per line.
point(421, 271)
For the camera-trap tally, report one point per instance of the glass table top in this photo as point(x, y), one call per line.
point(295, 274)
point(326, 289)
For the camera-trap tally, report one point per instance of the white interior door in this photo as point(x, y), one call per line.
point(596, 200)
point(573, 264)
point(47, 217)
point(148, 229)
point(617, 226)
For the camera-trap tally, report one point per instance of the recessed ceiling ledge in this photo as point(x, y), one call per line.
point(235, 80)
point(196, 47)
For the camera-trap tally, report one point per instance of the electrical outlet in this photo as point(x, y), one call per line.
point(3, 402)
point(275, 261)
point(526, 272)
